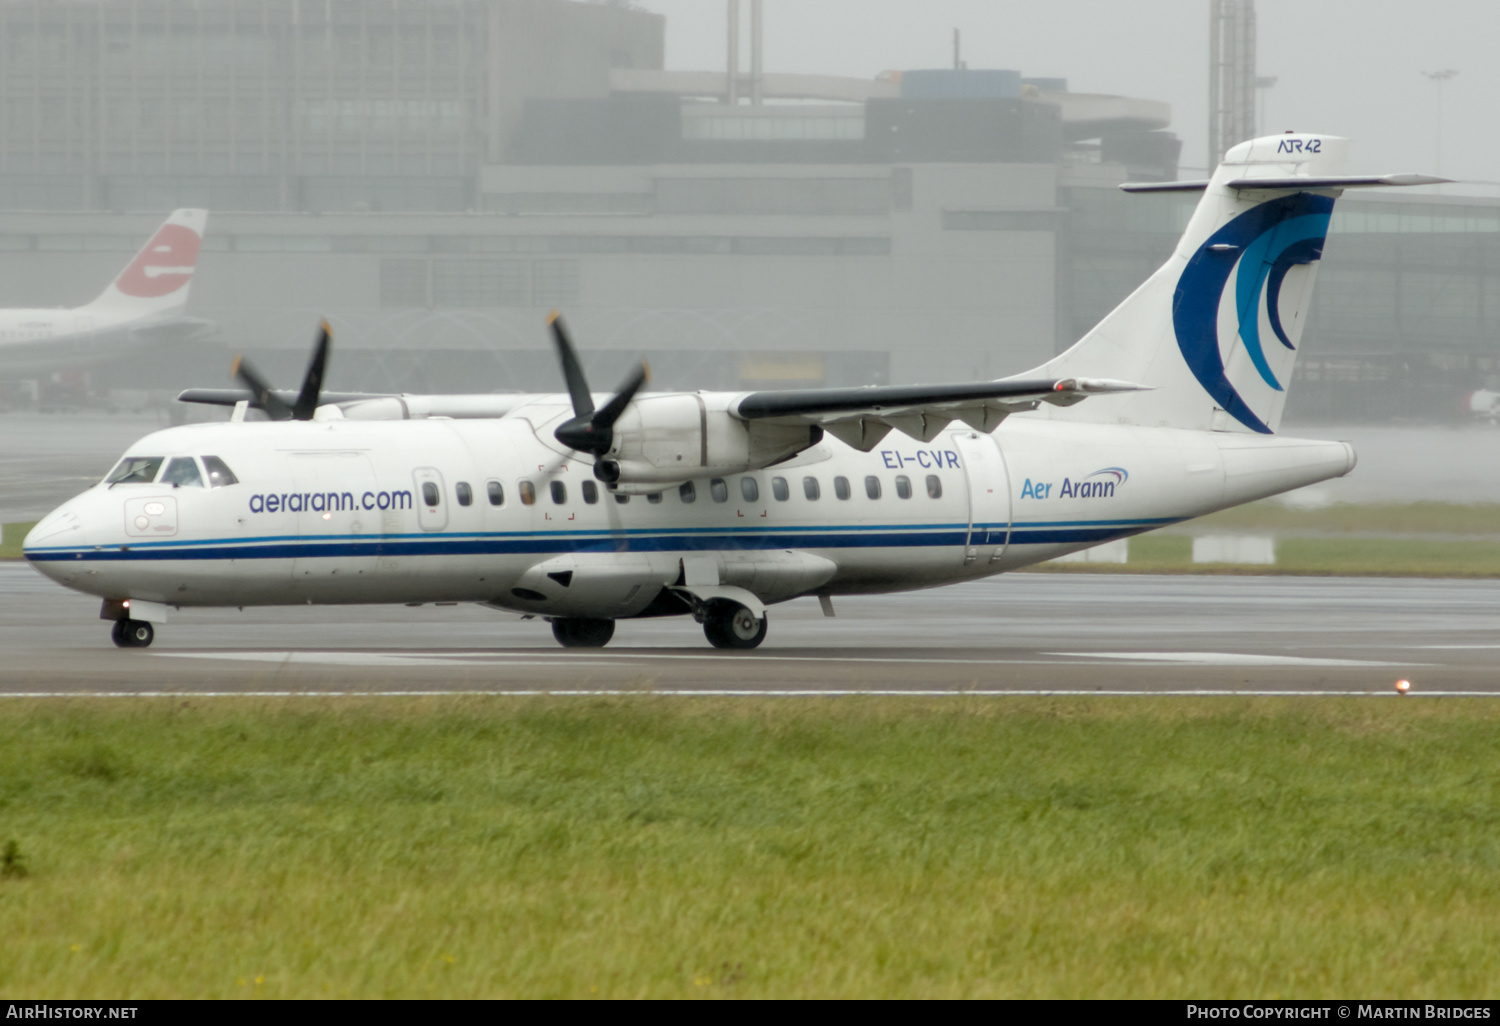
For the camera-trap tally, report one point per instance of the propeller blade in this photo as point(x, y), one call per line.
point(610, 411)
point(594, 433)
point(260, 391)
point(312, 383)
point(578, 386)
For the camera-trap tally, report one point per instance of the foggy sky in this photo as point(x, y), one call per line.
point(1345, 67)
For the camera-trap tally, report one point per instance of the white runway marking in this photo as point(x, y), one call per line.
point(494, 658)
point(1226, 659)
point(751, 693)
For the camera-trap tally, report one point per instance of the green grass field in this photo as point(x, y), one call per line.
point(491, 847)
point(11, 537)
point(1165, 552)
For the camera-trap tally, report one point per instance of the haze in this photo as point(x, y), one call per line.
point(1346, 67)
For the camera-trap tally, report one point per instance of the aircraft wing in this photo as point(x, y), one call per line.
point(374, 405)
point(861, 417)
point(230, 396)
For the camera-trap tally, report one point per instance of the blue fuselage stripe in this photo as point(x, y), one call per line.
point(539, 542)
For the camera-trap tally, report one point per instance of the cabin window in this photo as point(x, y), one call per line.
point(135, 470)
point(653, 497)
point(810, 488)
point(750, 489)
point(590, 492)
point(621, 498)
point(219, 474)
point(872, 486)
point(528, 492)
point(182, 472)
point(841, 487)
point(719, 490)
point(496, 491)
point(779, 489)
point(559, 493)
point(934, 486)
point(687, 493)
point(465, 493)
point(903, 486)
point(430, 494)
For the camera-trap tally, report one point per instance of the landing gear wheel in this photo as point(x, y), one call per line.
point(731, 625)
point(572, 632)
point(132, 633)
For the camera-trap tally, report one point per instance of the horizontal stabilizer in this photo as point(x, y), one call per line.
point(1197, 185)
point(1335, 181)
point(1294, 182)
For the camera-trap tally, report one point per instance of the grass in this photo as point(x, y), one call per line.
point(1382, 518)
point(1417, 539)
point(11, 537)
point(489, 847)
point(1169, 553)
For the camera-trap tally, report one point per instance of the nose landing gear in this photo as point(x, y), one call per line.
point(132, 633)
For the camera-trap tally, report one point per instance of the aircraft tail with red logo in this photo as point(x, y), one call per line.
point(158, 279)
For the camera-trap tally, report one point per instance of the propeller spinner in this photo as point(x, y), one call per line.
point(590, 430)
point(306, 403)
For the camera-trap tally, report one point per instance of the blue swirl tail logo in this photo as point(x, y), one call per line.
point(1271, 239)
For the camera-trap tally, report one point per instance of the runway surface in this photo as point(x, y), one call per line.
point(1012, 634)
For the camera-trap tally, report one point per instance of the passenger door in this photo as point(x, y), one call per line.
point(989, 496)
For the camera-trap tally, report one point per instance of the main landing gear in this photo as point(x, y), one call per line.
point(578, 632)
point(731, 625)
point(132, 633)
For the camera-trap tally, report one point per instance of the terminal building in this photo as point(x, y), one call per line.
point(435, 176)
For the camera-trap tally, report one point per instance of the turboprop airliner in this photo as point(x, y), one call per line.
point(582, 510)
point(144, 305)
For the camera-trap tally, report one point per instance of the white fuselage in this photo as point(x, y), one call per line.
point(32, 341)
point(340, 512)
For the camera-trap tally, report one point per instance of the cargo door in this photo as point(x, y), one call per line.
point(336, 536)
point(989, 496)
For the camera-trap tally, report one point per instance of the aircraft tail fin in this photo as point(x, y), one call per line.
point(1214, 332)
point(158, 279)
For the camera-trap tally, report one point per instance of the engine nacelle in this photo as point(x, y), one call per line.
point(666, 439)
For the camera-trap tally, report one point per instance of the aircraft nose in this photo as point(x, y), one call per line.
point(58, 531)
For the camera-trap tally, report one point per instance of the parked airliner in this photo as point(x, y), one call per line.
point(144, 305)
point(584, 510)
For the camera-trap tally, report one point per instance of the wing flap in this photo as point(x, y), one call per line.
point(861, 417)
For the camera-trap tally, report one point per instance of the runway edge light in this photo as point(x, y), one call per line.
point(1403, 686)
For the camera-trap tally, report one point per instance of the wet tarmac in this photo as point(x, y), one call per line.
point(1018, 633)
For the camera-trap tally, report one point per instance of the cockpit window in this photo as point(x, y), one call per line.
point(135, 470)
point(219, 474)
point(182, 472)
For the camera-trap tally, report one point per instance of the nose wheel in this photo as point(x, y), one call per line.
point(731, 625)
point(132, 633)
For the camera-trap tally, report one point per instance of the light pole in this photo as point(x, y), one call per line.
point(1437, 78)
point(1263, 84)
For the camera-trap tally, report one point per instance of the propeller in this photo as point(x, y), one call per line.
point(591, 430)
point(306, 403)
